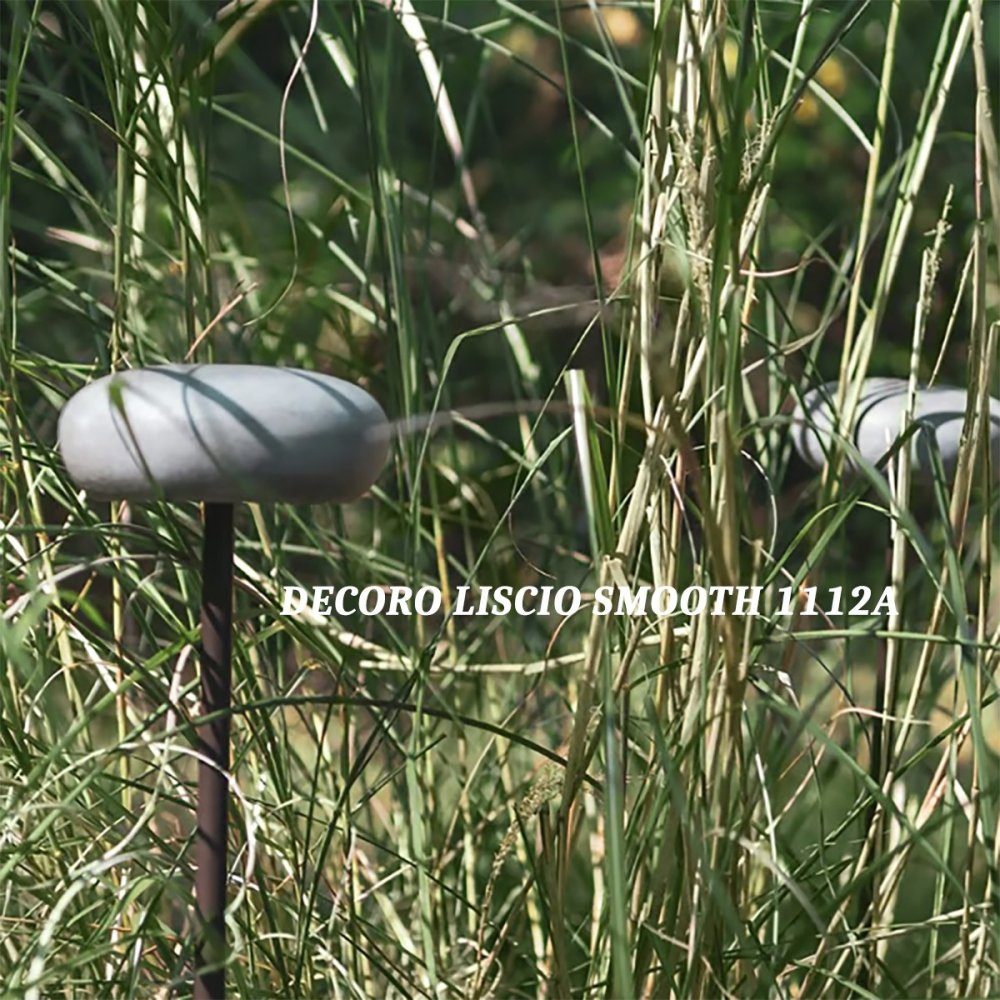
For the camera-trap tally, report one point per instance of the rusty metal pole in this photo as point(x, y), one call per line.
point(213, 744)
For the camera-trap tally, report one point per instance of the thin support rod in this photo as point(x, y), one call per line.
point(213, 743)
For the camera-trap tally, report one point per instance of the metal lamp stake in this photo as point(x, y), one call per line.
point(221, 435)
point(213, 739)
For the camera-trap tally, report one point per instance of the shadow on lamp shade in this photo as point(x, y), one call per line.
point(223, 434)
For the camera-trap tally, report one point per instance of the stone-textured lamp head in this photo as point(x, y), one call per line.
point(220, 434)
point(939, 412)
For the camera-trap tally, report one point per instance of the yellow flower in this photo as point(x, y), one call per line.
point(832, 76)
point(521, 41)
point(622, 25)
point(807, 111)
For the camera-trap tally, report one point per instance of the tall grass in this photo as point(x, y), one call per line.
point(488, 807)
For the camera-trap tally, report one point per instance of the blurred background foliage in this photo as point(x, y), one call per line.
point(504, 65)
point(360, 115)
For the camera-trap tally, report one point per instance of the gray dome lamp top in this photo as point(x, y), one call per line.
point(223, 434)
point(938, 413)
point(220, 434)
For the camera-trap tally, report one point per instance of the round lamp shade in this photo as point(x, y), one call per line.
point(939, 413)
point(223, 434)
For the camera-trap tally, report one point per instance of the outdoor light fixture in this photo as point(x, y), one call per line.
point(938, 412)
point(220, 434)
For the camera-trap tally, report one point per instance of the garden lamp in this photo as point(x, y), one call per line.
point(938, 412)
point(220, 434)
point(938, 417)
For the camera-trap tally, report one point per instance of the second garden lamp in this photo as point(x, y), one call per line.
point(220, 434)
point(938, 411)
